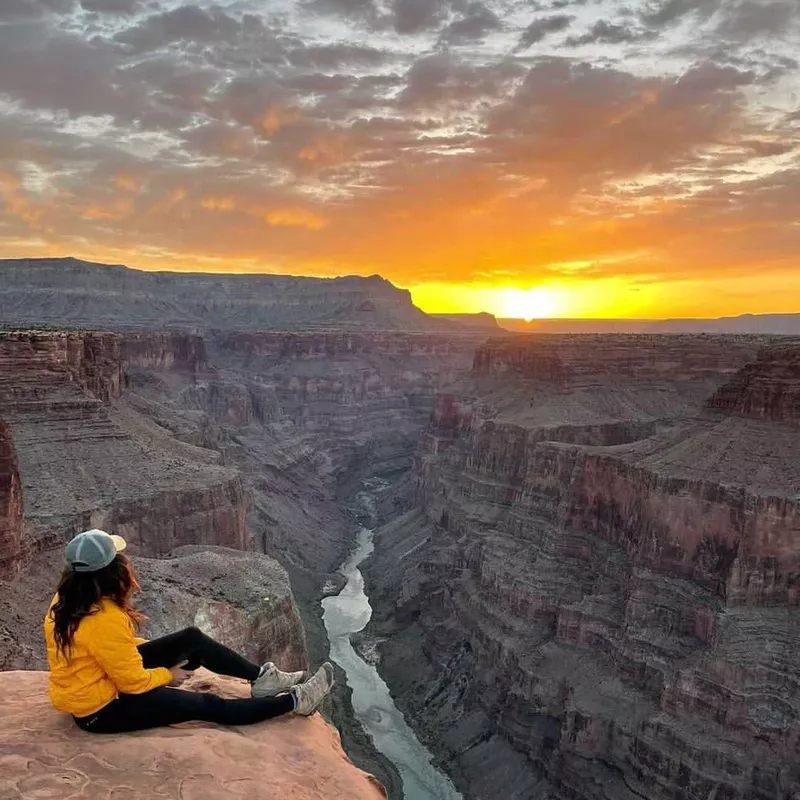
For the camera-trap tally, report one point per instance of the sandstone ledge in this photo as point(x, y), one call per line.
point(45, 755)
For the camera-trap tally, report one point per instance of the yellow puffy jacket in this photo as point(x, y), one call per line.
point(101, 663)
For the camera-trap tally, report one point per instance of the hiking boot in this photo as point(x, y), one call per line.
point(308, 696)
point(272, 681)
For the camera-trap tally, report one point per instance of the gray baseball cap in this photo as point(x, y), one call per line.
point(93, 550)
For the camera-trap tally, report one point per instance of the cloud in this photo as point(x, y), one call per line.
point(444, 79)
point(752, 18)
point(446, 138)
point(475, 23)
point(112, 6)
point(187, 23)
point(664, 13)
point(414, 16)
point(291, 218)
point(543, 27)
point(604, 32)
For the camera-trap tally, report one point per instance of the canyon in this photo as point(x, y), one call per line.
point(587, 548)
point(595, 591)
point(227, 460)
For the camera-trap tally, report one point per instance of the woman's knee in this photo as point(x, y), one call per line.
point(193, 634)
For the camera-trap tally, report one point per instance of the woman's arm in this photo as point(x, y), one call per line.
point(109, 638)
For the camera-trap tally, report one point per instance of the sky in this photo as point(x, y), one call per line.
point(530, 158)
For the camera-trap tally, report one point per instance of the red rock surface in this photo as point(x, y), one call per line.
point(36, 364)
point(10, 502)
point(44, 755)
point(768, 388)
point(597, 591)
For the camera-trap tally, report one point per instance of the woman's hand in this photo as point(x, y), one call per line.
point(179, 674)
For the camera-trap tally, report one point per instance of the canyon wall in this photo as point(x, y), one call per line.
point(768, 388)
point(10, 502)
point(37, 365)
point(162, 350)
point(596, 594)
point(88, 459)
point(566, 359)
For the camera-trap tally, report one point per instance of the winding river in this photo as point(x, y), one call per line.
point(345, 614)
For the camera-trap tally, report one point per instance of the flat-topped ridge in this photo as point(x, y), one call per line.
point(77, 293)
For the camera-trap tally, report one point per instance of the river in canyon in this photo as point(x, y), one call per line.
point(348, 613)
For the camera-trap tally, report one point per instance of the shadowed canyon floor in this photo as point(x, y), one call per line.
point(586, 584)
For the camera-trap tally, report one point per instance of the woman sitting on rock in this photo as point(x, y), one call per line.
point(110, 681)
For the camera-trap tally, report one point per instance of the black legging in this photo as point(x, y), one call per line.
point(166, 706)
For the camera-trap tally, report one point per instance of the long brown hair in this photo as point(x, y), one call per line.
point(80, 593)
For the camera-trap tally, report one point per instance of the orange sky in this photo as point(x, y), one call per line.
point(568, 159)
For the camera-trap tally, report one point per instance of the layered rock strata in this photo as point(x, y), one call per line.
point(768, 388)
point(72, 293)
point(87, 458)
point(10, 502)
point(596, 595)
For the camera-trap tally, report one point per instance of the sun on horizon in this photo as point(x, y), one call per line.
point(537, 303)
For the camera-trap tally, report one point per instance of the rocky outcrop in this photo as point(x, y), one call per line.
point(72, 293)
point(46, 755)
point(10, 503)
point(769, 388)
point(596, 594)
point(38, 366)
point(242, 599)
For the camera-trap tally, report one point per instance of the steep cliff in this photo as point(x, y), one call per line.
point(596, 595)
point(46, 755)
point(769, 388)
point(162, 350)
point(72, 293)
point(88, 459)
point(10, 502)
point(39, 365)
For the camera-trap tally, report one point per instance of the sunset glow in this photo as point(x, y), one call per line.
point(530, 304)
point(585, 159)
